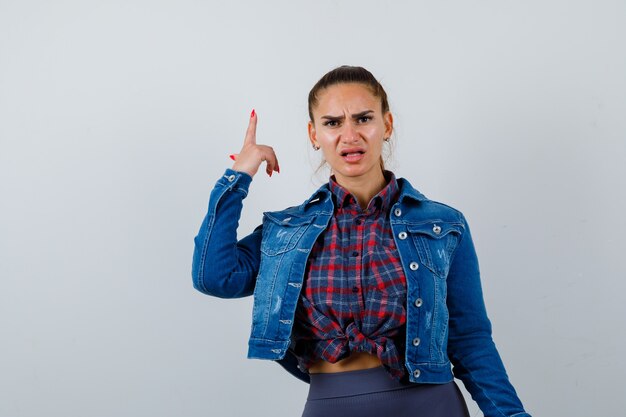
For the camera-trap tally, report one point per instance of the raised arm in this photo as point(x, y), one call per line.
point(223, 266)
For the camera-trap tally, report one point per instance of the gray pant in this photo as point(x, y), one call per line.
point(373, 393)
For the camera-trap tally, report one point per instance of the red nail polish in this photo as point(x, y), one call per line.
point(232, 156)
point(252, 114)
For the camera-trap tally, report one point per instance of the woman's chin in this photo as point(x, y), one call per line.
point(354, 172)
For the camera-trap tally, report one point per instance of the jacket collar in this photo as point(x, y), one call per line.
point(407, 191)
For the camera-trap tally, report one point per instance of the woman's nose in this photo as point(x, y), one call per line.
point(349, 133)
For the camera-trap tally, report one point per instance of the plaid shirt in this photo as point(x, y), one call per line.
point(354, 293)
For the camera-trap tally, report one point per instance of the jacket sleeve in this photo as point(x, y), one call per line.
point(471, 349)
point(222, 266)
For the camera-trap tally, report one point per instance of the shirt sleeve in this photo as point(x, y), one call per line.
point(472, 351)
point(223, 266)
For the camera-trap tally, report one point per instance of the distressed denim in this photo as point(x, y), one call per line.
point(448, 332)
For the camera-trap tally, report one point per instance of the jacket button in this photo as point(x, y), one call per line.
point(414, 266)
point(231, 177)
point(416, 341)
point(418, 302)
point(416, 373)
point(397, 212)
point(402, 235)
point(436, 229)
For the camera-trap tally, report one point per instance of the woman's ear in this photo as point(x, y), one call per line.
point(388, 118)
point(312, 134)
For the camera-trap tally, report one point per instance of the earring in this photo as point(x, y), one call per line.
point(315, 147)
point(386, 139)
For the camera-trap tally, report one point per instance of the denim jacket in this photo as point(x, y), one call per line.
point(448, 332)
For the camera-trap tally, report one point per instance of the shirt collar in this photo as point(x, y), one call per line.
point(383, 200)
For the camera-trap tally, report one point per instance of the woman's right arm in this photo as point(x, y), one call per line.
point(223, 266)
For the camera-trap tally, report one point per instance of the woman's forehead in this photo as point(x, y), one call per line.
point(347, 95)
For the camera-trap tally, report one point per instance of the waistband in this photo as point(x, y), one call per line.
point(362, 381)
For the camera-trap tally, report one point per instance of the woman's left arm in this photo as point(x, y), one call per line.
point(471, 349)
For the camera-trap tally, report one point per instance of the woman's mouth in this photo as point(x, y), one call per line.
point(352, 156)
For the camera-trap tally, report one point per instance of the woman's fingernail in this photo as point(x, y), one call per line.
point(252, 114)
point(232, 156)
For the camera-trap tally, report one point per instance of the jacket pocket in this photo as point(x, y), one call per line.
point(435, 242)
point(282, 233)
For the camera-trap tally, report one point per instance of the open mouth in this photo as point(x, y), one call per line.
point(352, 156)
point(352, 153)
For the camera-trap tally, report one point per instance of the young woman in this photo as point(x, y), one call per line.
point(368, 290)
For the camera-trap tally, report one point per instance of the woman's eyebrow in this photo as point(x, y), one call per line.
point(354, 116)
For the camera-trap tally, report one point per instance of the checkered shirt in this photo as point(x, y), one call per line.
point(353, 298)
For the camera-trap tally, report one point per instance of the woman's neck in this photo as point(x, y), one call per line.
point(363, 188)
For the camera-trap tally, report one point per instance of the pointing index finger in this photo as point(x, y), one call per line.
point(251, 132)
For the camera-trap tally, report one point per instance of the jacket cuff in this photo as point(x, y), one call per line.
point(235, 180)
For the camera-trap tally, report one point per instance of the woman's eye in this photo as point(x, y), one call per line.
point(364, 119)
point(330, 123)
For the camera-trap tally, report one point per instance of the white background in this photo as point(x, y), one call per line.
point(117, 117)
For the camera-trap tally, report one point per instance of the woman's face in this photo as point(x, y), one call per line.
point(350, 129)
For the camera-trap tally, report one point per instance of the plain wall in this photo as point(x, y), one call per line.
point(117, 118)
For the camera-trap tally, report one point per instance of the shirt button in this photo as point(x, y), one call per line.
point(414, 266)
point(355, 253)
point(358, 221)
point(436, 229)
point(418, 302)
point(397, 212)
point(355, 289)
point(402, 235)
point(231, 177)
point(416, 373)
point(416, 341)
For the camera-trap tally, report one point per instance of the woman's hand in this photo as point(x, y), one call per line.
point(252, 155)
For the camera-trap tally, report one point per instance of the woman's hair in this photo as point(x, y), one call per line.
point(349, 74)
